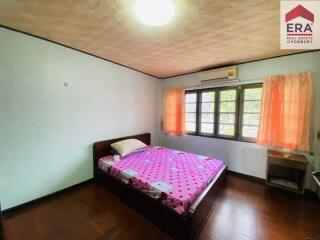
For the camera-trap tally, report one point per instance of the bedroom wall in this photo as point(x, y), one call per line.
point(249, 158)
point(47, 129)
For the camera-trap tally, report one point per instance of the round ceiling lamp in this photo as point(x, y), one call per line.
point(154, 12)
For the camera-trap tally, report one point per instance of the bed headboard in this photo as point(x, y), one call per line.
point(103, 148)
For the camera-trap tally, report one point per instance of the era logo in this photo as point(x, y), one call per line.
point(298, 27)
point(299, 11)
point(299, 24)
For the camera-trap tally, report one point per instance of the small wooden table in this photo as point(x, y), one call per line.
point(286, 171)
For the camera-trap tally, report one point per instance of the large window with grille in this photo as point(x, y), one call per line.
point(228, 112)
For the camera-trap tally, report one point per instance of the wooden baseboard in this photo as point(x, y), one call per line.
point(308, 194)
point(54, 194)
point(247, 177)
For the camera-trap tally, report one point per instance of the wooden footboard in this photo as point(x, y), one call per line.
point(180, 227)
point(203, 206)
point(153, 210)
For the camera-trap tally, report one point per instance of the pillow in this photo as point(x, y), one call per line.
point(127, 146)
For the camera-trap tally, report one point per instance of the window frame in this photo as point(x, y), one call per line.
point(197, 110)
point(239, 104)
point(244, 87)
point(236, 123)
point(200, 113)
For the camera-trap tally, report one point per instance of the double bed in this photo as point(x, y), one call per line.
point(173, 189)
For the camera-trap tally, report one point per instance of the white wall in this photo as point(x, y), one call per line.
point(249, 158)
point(241, 157)
point(47, 130)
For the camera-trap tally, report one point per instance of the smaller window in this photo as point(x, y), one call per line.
point(191, 112)
point(207, 112)
point(227, 113)
point(251, 100)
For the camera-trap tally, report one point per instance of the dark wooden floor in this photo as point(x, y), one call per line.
point(246, 210)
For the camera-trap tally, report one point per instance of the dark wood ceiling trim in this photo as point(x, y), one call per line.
point(75, 49)
point(178, 75)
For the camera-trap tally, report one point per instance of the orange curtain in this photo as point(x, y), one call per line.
point(174, 111)
point(285, 111)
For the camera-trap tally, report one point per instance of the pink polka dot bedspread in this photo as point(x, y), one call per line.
point(174, 177)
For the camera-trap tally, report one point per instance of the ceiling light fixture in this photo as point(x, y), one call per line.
point(154, 12)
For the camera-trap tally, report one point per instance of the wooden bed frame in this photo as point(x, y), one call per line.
point(180, 227)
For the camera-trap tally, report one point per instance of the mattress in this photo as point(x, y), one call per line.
point(173, 177)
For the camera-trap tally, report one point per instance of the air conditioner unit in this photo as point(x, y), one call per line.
point(217, 76)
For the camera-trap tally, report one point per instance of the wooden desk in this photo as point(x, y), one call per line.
point(286, 171)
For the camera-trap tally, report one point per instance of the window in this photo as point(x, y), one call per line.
point(227, 112)
point(191, 112)
point(231, 112)
point(250, 117)
point(207, 112)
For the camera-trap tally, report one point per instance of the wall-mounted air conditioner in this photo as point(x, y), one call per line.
point(218, 76)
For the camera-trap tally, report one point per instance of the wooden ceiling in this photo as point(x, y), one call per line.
point(204, 34)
